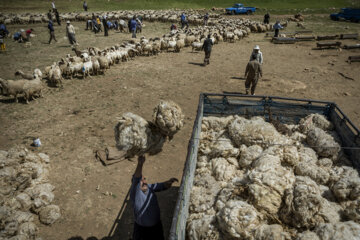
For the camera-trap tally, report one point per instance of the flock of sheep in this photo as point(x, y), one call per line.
point(26, 194)
point(93, 61)
point(256, 180)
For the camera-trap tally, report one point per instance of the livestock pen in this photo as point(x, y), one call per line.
point(284, 110)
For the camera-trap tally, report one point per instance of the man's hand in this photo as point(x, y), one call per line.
point(169, 182)
point(141, 159)
point(138, 170)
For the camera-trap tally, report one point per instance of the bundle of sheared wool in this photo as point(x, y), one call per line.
point(346, 184)
point(271, 232)
point(168, 117)
point(304, 207)
point(268, 181)
point(265, 184)
point(254, 131)
point(137, 136)
point(339, 231)
point(238, 219)
point(25, 193)
point(324, 143)
point(315, 120)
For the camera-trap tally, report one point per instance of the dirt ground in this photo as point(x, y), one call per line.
point(74, 121)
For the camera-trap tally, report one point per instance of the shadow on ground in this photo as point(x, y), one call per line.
point(122, 227)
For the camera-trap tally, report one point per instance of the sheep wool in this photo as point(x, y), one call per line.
point(238, 219)
point(254, 131)
point(202, 228)
point(303, 204)
point(249, 154)
point(168, 117)
point(137, 136)
point(324, 143)
point(339, 231)
point(315, 120)
point(271, 232)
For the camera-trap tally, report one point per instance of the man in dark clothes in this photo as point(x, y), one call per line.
point(105, 26)
point(267, 18)
point(147, 224)
point(49, 15)
point(207, 46)
point(85, 6)
point(57, 17)
point(252, 74)
point(51, 31)
point(133, 26)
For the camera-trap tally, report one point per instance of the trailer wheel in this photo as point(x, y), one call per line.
point(233, 12)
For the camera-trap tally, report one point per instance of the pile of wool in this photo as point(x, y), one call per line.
point(136, 136)
point(254, 131)
point(324, 144)
point(339, 231)
point(315, 120)
point(238, 219)
point(264, 184)
point(304, 207)
point(168, 117)
point(25, 193)
point(268, 181)
point(271, 232)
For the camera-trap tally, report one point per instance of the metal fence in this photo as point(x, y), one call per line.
point(285, 110)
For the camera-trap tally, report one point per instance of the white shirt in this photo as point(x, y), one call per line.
point(258, 56)
point(53, 5)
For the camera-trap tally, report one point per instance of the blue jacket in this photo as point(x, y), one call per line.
point(183, 17)
point(133, 24)
point(51, 27)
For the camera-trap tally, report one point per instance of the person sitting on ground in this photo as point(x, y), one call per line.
point(252, 74)
point(207, 46)
point(23, 36)
point(256, 54)
point(147, 223)
point(173, 27)
point(29, 32)
point(277, 26)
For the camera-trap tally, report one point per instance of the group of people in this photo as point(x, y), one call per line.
point(277, 26)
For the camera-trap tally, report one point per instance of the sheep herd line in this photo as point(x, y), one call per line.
point(94, 61)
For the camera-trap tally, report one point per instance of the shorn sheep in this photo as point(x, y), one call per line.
point(260, 183)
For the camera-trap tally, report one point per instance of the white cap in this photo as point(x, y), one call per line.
point(67, 21)
point(256, 47)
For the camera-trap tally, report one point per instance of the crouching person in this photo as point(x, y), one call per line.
point(146, 208)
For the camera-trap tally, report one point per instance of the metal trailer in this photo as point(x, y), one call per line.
point(286, 110)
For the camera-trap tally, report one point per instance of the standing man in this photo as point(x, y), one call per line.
point(206, 19)
point(133, 24)
point(57, 17)
point(53, 5)
point(252, 74)
point(256, 54)
point(49, 15)
point(184, 21)
point(207, 46)
point(147, 224)
point(85, 6)
point(70, 32)
point(51, 31)
point(105, 26)
point(267, 18)
point(277, 26)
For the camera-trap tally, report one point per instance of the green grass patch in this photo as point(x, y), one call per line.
point(275, 6)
